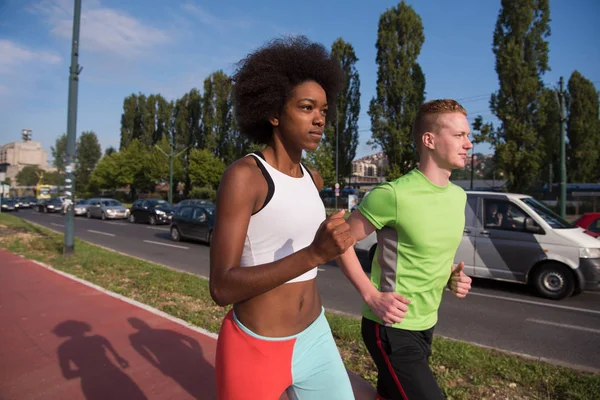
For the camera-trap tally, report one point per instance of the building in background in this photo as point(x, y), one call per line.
point(17, 155)
point(368, 171)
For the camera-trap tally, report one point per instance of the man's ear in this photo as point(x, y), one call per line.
point(428, 140)
point(274, 121)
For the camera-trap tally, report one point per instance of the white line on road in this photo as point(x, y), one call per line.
point(52, 223)
point(115, 223)
point(580, 328)
point(321, 269)
point(101, 233)
point(166, 244)
point(537, 303)
point(157, 229)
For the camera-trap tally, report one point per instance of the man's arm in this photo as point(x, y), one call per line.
point(390, 306)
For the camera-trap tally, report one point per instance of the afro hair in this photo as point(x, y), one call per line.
point(265, 79)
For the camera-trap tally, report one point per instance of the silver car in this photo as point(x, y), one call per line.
point(106, 209)
point(81, 207)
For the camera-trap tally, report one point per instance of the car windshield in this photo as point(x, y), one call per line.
point(162, 204)
point(553, 219)
point(110, 203)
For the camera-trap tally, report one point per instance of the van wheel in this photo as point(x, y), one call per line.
point(209, 238)
point(131, 218)
point(152, 220)
point(554, 281)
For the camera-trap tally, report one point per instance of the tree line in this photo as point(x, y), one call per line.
point(201, 131)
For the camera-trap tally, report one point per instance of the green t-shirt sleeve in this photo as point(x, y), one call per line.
point(379, 206)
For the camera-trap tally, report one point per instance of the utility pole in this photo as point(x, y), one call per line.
point(337, 184)
point(563, 161)
point(74, 72)
point(171, 156)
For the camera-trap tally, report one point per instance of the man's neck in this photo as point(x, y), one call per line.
point(436, 175)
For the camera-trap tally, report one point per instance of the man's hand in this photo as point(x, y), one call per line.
point(459, 282)
point(390, 307)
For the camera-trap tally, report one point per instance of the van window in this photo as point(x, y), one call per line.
point(553, 219)
point(504, 215)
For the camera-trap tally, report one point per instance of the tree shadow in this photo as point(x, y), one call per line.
point(84, 357)
point(177, 356)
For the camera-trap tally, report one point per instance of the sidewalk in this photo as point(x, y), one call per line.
point(63, 339)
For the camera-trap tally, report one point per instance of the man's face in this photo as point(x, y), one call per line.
point(451, 141)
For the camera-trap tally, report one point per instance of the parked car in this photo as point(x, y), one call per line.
point(591, 223)
point(106, 209)
point(26, 201)
point(9, 205)
point(152, 211)
point(193, 222)
point(528, 244)
point(54, 204)
point(197, 202)
point(81, 207)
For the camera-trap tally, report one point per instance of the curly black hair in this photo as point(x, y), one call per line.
point(265, 79)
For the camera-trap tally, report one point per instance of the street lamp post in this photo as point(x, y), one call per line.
point(69, 186)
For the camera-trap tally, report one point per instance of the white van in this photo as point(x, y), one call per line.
point(513, 237)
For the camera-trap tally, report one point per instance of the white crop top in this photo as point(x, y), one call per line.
point(287, 222)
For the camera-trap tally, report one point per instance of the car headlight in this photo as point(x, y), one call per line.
point(159, 212)
point(110, 211)
point(589, 252)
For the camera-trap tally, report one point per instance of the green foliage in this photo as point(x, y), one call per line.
point(521, 58)
point(59, 152)
point(29, 175)
point(88, 155)
point(400, 87)
point(583, 131)
point(203, 193)
point(348, 110)
point(219, 131)
point(321, 161)
point(205, 169)
point(109, 173)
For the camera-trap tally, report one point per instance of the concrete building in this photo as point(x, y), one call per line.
point(17, 155)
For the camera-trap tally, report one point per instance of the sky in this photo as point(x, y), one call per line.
point(155, 46)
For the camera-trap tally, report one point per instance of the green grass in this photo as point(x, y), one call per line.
point(464, 371)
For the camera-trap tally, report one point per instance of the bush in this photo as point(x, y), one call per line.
point(203, 193)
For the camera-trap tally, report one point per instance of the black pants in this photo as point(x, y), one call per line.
point(402, 359)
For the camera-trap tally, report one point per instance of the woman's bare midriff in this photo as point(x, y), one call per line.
point(284, 311)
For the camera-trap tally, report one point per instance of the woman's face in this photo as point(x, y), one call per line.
point(302, 120)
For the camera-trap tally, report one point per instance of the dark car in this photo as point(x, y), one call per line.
point(193, 222)
point(195, 202)
point(50, 205)
point(152, 211)
point(591, 223)
point(9, 205)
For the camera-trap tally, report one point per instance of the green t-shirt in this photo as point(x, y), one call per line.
point(419, 228)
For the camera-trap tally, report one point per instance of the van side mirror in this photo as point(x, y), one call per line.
point(531, 226)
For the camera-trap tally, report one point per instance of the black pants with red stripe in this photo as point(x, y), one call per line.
point(402, 359)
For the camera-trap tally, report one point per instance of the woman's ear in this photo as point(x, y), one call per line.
point(274, 121)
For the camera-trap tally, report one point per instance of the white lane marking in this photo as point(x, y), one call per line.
point(580, 328)
point(321, 269)
point(55, 215)
point(166, 244)
point(157, 229)
point(115, 223)
point(101, 233)
point(537, 303)
point(52, 223)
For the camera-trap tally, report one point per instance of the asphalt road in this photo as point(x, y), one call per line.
point(505, 316)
